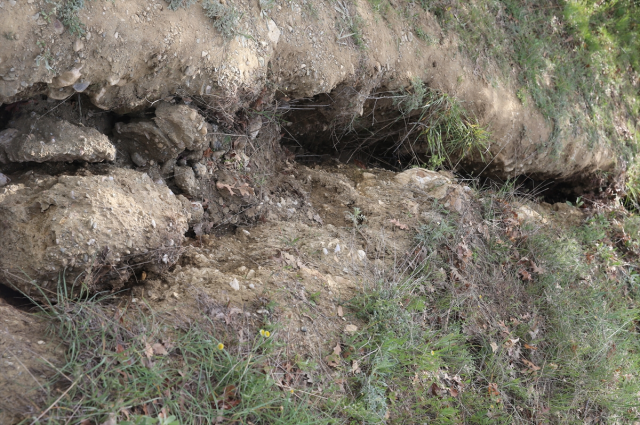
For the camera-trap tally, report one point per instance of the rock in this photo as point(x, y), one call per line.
point(368, 176)
point(350, 329)
point(255, 124)
point(78, 45)
point(67, 78)
point(95, 229)
point(185, 179)
point(430, 181)
point(175, 128)
point(81, 86)
point(235, 284)
point(55, 140)
point(200, 170)
point(193, 210)
point(182, 125)
point(61, 93)
point(4, 180)
point(138, 159)
point(58, 28)
point(274, 31)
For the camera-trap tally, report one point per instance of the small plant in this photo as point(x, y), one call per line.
point(356, 217)
point(68, 15)
point(225, 18)
point(47, 58)
point(177, 4)
point(521, 94)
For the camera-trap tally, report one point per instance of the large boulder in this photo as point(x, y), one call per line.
point(92, 230)
point(49, 139)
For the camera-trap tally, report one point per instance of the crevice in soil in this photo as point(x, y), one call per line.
point(16, 298)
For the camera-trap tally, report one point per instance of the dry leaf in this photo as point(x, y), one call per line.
point(494, 346)
point(530, 347)
point(340, 313)
point(493, 389)
point(525, 275)
point(225, 186)
point(398, 224)
point(536, 269)
point(245, 189)
point(464, 253)
point(435, 389)
point(333, 359)
point(453, 392)
point(530, 365)
point(355, 367)
point(148, 350)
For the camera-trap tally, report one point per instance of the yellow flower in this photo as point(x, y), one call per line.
point(267, 334)
point(262, 332)
point(433, 353)
point(221, 346)
point(291, 390)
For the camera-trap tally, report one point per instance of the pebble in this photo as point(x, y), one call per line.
point(235, 284)
point(200, 170)
point(252, 286)
point(138, 159)
point(58, 28)
point(4, 180)
point(303, 329)
point(81, 86)
point(78, 45)
point(251, 275)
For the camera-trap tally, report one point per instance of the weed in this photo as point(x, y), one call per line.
point(68, 12)
point(177, 4)
point(356, 32)
point(47, 58)
point(521, 94)
point(356, 217)
point(225, 18)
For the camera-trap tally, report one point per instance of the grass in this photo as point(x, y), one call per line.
point(442, 124)
point(548, 336)
point(125, 365)
point(577, 61)
point(502, 322)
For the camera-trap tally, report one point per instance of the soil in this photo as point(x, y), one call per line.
point(324, 63)
point(203, 210)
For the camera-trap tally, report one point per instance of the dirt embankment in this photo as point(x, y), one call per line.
point(337, 62)
point(147, 154)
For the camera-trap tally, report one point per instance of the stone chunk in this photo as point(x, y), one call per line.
point(185, 179)
point(174, 129)
point(52, 140)
point(94, 230)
